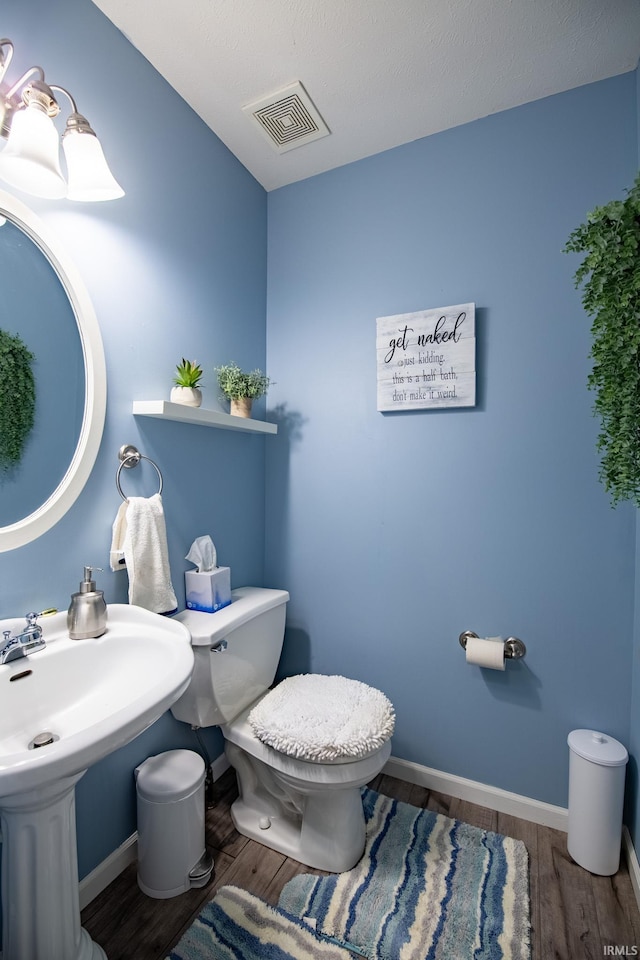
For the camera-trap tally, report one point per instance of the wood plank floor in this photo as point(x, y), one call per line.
point(574, 915)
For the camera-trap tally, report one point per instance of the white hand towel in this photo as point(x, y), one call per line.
point(116, 554)
point(147, 556)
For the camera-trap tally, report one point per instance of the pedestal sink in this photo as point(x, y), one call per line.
point(92, 696)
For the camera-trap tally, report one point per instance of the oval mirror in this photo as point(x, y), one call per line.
point(46, 304)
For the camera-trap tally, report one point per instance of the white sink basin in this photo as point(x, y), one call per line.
point(94, 695)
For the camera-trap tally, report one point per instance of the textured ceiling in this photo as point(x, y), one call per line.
point(381, 72)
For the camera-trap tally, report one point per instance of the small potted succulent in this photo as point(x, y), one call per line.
point(187, 384)
point(241, 388)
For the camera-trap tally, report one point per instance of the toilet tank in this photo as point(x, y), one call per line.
point(236, 652)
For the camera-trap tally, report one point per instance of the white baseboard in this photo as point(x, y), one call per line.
point(219, 766)
point(495, 798)
point(632, 862)
point(113, 865)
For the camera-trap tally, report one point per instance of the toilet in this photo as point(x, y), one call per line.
point(302, 750)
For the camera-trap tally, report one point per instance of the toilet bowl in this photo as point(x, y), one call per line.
point(308, 810)
point(299, 780)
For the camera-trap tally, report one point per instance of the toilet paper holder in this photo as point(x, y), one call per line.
point(514, 648)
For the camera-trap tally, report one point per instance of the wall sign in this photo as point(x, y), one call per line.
point(427, 359)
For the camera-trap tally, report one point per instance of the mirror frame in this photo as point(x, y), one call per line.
point(68, 490)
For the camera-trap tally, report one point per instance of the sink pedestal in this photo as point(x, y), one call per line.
point(40, 901)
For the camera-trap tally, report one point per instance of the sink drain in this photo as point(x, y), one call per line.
point(43, 740)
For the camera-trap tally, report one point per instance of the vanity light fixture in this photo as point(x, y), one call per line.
point(30, 160)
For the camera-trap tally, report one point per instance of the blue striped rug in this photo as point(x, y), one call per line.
point(236, 925)
point(427, 888)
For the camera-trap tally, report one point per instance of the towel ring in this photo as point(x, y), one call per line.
point(129, 456)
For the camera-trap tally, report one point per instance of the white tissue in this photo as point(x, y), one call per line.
point(203, 553)
point(486, 653)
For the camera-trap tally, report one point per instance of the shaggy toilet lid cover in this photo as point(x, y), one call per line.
point(323, 719)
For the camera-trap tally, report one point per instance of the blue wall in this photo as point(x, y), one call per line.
point(392, 532)
point(176, 268)
point(395, 532)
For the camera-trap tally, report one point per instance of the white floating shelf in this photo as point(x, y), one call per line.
point(164, 410)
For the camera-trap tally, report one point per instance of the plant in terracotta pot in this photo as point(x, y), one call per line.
point(187, 384)
point(241, 388)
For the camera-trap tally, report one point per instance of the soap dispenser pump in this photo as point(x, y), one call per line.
point(87, 616)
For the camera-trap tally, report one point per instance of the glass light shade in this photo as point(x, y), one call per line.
point(87, 170)
point(30, 159)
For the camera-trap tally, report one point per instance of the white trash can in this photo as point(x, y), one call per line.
point(596, 796)
point(172, 856)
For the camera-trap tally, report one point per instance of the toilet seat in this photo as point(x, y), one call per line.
point(341, 773)
point(323, 719)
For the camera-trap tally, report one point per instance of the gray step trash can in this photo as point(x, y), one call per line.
point(596, 796)
point(172, 856)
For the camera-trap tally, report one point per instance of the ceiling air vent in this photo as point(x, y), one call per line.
point(287, 118)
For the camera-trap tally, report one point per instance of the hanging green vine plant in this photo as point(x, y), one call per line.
point(610, 273)
point(17, 398)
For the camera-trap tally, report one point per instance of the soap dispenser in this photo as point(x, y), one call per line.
point(87, 616)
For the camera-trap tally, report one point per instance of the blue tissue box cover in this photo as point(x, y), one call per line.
point(216, 606)
point(208, 592)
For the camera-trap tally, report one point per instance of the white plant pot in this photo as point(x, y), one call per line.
point(189, 396)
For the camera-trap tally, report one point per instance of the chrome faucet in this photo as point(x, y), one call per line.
point(27, 641)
